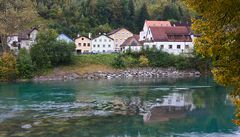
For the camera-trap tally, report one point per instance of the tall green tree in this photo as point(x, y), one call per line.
point(143, 15)
point(219, 26)
point(24, 64)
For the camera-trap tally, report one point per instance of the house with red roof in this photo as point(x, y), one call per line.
point(174, 40)
point(132, 44)
point(148, 24)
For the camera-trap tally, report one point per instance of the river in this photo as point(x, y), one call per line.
point(116, 108)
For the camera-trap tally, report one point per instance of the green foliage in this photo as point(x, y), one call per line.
point(24, 64)
point(155, 58)
point(143, 61)
point(74, 16)
point(119, 62)
point(8, 67)
point(49, 52)
point(39, 57)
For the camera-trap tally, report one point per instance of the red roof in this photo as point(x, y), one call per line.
point(132, 41)
point(157, 23)
point(178, 34)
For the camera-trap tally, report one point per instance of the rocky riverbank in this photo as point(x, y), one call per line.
point(122, 74)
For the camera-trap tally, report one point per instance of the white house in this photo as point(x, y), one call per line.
point(174, 40)
point(148, 24)
point(24, 39)
point(103, 44)
point(132, 44)
point(65, 38)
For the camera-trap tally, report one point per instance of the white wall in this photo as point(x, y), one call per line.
point(133, 48)
point(174, 50)
point(11, 40)
point(103, 44)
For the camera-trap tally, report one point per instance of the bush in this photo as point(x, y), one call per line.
point(24, 64)
point(143, 61)
point(119, 62)
point(8, 68)
point(39, 57)
point(48, 51)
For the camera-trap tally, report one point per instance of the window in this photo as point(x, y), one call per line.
point(162, 46)
point(98, 45)
point(95, 40)
point(109, 46)
point(186, 46)
point(109, 40)
point(178, 46)
point(88, 44)
point(154, 46)
point(82, 38)
point(84, 44)
point(170, 46)
point(103, 51)
point(79, 44)
point(100, 40)
point(105, 40)
point(104, 46)
point(94, 46)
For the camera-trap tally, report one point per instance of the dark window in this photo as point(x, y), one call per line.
point(79, 44)
point(94, 46)
point(186, 46)
point(103, 51)
point(104, 46)
point(82, 38)
point(162, 46)
point(88, 44)
point(178, 46)
point(109, 46)
point(84, 44)
point(170, 46)
point(98, 45)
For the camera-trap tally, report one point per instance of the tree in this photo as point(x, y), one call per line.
point(48, 51)
point(24, 64)
point(15, 15)
point(8, 69)
point(143, 15)
point(219, 26)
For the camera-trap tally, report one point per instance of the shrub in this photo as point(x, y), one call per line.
point(130, 61)
point(143, 61)
point(8, 69)
point(24, 64)
point(48, 51)
point(119, 62)
point(40, 57)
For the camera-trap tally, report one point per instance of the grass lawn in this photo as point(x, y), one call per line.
point(87, 63)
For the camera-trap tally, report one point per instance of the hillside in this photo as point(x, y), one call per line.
point(73, 16)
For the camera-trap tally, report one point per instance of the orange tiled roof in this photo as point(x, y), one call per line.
point(151, 23)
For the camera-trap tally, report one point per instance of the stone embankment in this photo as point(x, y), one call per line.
point(128, 73)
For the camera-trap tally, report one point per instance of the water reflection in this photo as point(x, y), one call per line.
point(173, 106)
point(145, 107)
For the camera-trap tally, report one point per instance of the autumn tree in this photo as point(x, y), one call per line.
point(219, 26)
point(14, 16)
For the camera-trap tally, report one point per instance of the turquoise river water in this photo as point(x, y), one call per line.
point(117, 108)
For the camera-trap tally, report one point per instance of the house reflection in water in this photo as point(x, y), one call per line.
point(173, 106)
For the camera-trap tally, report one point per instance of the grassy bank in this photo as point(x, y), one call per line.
point(87, 64)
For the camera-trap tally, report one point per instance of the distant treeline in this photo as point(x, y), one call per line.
point(84, 16)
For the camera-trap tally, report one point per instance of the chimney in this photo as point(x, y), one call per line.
point(89, 35)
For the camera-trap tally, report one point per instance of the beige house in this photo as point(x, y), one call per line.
point(83, 45)
point(119, 35)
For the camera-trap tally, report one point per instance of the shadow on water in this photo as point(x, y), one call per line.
point(133, 107)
